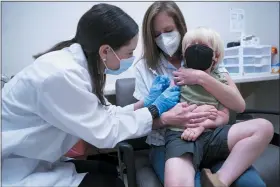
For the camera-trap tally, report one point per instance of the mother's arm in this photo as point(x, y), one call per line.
point(228, 95)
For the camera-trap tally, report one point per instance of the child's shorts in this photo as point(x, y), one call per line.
point(209, 148)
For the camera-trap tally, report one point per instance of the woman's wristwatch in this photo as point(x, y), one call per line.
point(154, 111)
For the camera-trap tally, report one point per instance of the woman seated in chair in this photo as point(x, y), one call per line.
point(163, 29)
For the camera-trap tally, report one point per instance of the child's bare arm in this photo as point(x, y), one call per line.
point(222, 119)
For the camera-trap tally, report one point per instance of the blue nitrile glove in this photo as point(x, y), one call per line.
point(160, 84)
point(168, 99)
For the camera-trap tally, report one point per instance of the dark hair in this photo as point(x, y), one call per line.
point(102, 24)
point(150, 50)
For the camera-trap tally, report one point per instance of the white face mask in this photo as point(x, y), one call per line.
point(169, 42)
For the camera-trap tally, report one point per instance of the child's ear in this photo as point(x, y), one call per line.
point(217, 56)
point(214, 63)
point(215, 60)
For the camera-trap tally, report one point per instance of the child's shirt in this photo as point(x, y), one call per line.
point(196, 94)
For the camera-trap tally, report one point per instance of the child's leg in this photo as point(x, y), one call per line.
point(179, 171)
point(246, 141)
point(180, 156)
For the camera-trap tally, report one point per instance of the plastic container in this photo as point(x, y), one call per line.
point(233, 70)
point(266, 51)
point(231, 61)
point(249, 51)
point(249, 60)
point(243, 60)
point(257, 50)
point(265, 60)
point(232, 51)
point(257, 69)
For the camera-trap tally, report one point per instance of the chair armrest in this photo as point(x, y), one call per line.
point(275, 140)
point(256, 111)
point(127, 161)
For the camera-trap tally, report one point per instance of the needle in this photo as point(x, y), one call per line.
point(153, 71)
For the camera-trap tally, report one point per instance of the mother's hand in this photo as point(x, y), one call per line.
point(183, 114)
point(208, 108)
point(186, 76)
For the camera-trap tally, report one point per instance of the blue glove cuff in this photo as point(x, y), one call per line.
point(158, 107)
point(147, 102)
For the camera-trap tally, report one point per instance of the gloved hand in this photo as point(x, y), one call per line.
point(160, 84)
point(168, 99)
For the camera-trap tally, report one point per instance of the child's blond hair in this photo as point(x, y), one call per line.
point(206, 36)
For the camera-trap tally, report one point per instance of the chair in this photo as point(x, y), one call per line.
point(134, 159)
point(4, 80)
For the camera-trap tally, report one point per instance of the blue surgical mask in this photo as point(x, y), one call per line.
point(124, 65)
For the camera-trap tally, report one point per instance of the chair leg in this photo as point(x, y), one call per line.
point(126, 161)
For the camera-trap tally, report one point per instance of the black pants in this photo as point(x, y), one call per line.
point(100, 174)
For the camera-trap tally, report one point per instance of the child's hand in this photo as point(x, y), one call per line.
point(191, 134)
point(186, 76)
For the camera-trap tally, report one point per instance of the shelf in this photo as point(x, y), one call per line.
point(110, 87)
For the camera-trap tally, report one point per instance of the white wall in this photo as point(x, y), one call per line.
point(32, 27)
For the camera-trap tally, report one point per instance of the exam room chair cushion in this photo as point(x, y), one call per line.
point(124, 92)
point(145, 175)
point(268, 166)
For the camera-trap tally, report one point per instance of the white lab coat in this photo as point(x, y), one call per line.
point(47, 107)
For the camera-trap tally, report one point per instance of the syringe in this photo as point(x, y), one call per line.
point(153, 71)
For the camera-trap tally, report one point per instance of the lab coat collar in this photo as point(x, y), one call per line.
point(78, 54)
point(164, 62)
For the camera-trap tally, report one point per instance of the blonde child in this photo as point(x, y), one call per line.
point(203, 50)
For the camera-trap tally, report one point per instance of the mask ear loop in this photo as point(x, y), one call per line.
point(104, 59)
point(115, 54)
